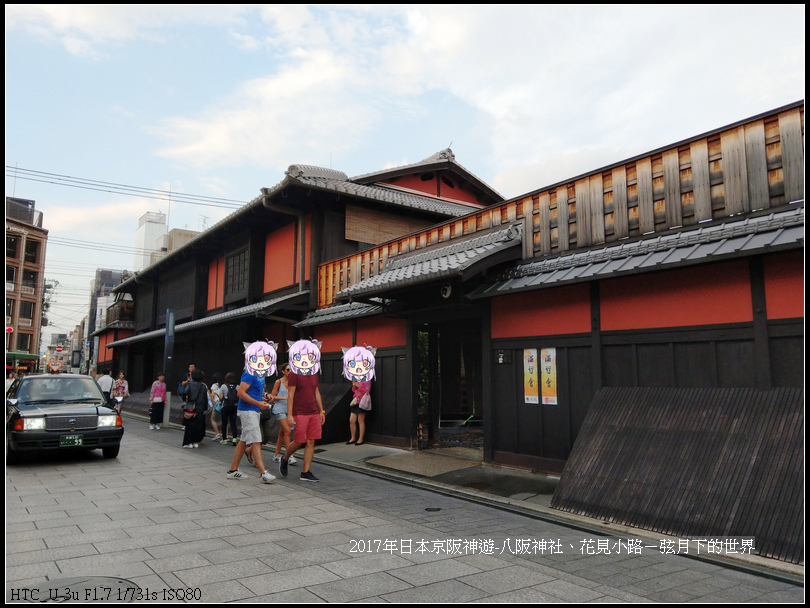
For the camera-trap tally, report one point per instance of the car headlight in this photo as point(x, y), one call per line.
point(107, 420)
point(33, 424)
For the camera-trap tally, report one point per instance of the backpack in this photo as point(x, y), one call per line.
point(232, 400)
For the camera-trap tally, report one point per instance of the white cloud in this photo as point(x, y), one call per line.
point(552, 80)
point(85, 29)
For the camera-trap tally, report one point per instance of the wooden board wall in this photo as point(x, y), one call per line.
point(723, 462)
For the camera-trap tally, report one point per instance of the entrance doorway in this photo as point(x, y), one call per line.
point(449, 389)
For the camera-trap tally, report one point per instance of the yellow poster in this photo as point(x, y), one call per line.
point(548, 367)
point(530, 382)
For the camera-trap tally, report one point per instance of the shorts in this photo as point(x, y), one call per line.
point(281, 416)
point(251, 431)
point(307, 426)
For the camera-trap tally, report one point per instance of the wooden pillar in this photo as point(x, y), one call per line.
point(762, 359)
point(487, 404)
point(596, 338)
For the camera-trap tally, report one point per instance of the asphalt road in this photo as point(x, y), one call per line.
point(159, 522)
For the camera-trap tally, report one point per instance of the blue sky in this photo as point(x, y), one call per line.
point(219, 100)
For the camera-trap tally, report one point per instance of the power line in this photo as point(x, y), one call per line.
point(124, 189)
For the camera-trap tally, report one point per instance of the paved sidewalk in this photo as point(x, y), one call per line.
point(166, 520)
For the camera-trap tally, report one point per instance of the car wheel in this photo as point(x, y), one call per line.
point(111, 452)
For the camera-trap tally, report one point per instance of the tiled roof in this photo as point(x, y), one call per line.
point(436, 262)
point(443, 158)
point(328, 180)
point(340, 312)
point(255, 309)
point(783, 229)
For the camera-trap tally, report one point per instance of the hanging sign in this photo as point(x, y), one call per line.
point(530, 382)
point(548, 369)
point(55, 364)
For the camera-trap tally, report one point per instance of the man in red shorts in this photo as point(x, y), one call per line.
point(304, 405)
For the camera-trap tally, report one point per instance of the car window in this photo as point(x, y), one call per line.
point(57, 389)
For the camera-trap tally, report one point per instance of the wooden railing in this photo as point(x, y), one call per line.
point(751, 165)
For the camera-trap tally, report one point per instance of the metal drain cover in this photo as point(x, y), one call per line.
point(76, 590)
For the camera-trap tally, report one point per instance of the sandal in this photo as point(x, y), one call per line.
point(217, 436)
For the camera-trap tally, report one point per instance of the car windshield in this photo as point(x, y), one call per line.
point(56, 389)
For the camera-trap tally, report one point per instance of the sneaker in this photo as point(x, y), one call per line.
point(277, 458)
point(267, 477)
point(282, 468)
point(217, 436)
point(151, 427)
point(195, 445)
point(157, 427)
point(188, 446)
point(308, 476)
point(237, 474)
point(225, 442)
point(292, 460)
point(235, 440)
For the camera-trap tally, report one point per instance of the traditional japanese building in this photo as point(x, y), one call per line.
point(661, 296)
point(681, 267)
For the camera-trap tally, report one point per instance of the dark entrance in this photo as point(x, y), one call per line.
point(449, 389)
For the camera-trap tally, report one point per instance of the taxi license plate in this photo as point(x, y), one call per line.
point(69, 441)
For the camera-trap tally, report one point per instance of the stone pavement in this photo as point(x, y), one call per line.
point(167, 521)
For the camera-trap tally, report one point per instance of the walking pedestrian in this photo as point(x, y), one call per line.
point(260, 361)
point(157, 398)
point(304, 405)
point(217, 402)
point(106, 383)
point(229, 408)
point(279, 400)
point(194, 410)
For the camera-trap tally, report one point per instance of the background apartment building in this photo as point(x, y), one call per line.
point(26, 241)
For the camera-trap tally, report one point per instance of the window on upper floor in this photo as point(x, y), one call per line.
point(31, 251)
point(24, 343)
point(11, 274)
point(236, 273)
point(26, 310)
point(9, 308)
point(29, 279)
point(12, 245)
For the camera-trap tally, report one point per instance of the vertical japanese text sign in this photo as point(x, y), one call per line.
point(548, 369)
point(530, 382)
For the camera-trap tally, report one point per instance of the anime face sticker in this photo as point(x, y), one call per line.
point(260, 358)
point(305, 357)
point(358, 363)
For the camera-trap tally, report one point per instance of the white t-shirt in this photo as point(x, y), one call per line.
point(106, 383)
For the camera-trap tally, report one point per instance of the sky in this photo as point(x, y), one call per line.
point(217, 101)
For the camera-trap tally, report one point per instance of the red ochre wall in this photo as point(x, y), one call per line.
point(216, 283)
point(784, 285)
point(415, 182)
point(279, 258)
point(546, 312)
point(280, 253)
point(380, 333)
point(106, 354)
point(698, 295)
point(334, 336)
